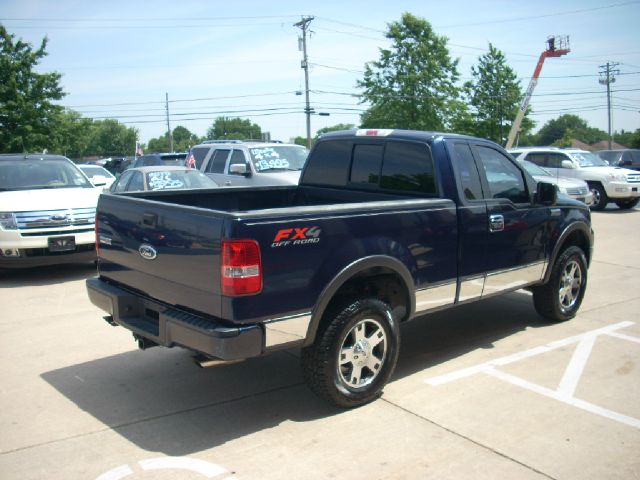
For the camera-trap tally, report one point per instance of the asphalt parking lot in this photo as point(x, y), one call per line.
point(483, 391)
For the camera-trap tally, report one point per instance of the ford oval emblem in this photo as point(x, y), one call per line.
point(147, 252)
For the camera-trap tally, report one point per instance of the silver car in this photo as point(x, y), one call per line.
point(235, 163)
point(573, 187)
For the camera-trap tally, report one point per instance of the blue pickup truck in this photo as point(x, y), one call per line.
point(384, 226)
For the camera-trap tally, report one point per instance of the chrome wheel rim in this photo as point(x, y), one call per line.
point(362, 353)
point(596, 196)
point(570, 285)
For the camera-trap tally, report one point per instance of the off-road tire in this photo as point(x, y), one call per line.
point(340, 366)
point(560, 298)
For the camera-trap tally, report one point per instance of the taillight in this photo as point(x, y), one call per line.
point(241, 267)
point(97, 237)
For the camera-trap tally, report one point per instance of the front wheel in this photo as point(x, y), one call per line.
point(560, 298)
point(600, 198)
point(353, 357)
point(627, 204)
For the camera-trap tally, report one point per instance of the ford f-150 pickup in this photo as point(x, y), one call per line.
point(384, 226)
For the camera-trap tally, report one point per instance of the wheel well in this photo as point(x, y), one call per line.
point(378, 282)
point(578, 239)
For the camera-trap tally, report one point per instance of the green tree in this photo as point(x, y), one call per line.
point(300, 141)
point(413, 84)
point(494, 95)
point(233, 128)
point(109, 138)
point(27, 111)
point(72, 135)
point(183, 139)
point(158, 144)
point(334, 128)
point(555, 129)
point(635, 140)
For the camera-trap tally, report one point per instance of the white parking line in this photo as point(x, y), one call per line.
point(567, 387)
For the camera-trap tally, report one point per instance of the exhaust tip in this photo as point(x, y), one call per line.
point(204, 361)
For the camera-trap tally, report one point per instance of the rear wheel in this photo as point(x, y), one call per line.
point(600, 198)
point(627, 204)
point(560, 298)
point(353, 357)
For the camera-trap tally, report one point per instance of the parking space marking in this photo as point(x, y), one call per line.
point(570, 379)
point(202, 467)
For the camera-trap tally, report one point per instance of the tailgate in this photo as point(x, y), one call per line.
point(168, 252)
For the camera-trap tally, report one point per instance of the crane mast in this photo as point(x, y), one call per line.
point(557, 46)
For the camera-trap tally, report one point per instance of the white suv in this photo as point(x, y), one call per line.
point(47, 211)
point(608, 184)
point(244, 163)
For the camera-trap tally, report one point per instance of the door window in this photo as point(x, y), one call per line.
point(137, 183)
point(469, 177)
point(218, 161)
point(504, 178)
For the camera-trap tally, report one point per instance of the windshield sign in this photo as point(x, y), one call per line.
point(278, 158)
point(588, 159)
point(40, 174)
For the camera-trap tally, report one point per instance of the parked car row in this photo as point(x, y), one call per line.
point(607, 183)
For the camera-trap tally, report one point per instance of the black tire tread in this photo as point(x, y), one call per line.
point(316, 358)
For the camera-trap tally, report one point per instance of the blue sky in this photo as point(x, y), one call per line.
point(120, 58)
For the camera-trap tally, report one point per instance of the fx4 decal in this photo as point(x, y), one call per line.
point(296, 236)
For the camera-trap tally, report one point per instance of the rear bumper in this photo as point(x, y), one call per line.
point(170, 327)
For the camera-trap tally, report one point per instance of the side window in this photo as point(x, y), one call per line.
point(554, 160)
point(469, 176)
point(199, 154)
point(539, 159)
point(504, 178)
point(218, 161)
point(408, 167)
point(137, 183)
point(237, 158)
point(122, 182)
point(367, 161)
point(328, 164)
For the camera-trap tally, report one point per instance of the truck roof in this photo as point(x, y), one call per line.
point(393, 133)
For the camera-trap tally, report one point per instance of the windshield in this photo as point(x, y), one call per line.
point(534, 169)
point(164, 180)
point(285, 157)
point(26, 174)
point(588, 159)
point(93, 170)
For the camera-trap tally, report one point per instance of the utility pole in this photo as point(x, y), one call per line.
point(304, 25)
point(169, 136)
point(607, 77)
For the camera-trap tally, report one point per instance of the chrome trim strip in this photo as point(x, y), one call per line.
point(513, 278)
point(281, 331)
point(471, 288)
point(435, 297)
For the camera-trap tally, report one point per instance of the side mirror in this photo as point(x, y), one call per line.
point(98, 180)
point(546, 194)
point(567, 164)
point(240, 169)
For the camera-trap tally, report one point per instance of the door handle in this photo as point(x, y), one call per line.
point(496, 223)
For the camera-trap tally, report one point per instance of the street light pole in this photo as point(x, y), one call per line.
point(304, 25)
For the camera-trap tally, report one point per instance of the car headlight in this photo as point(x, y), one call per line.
point(619, 177)
point(8, 221)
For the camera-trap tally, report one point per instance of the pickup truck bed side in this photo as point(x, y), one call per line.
point(383, 227)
